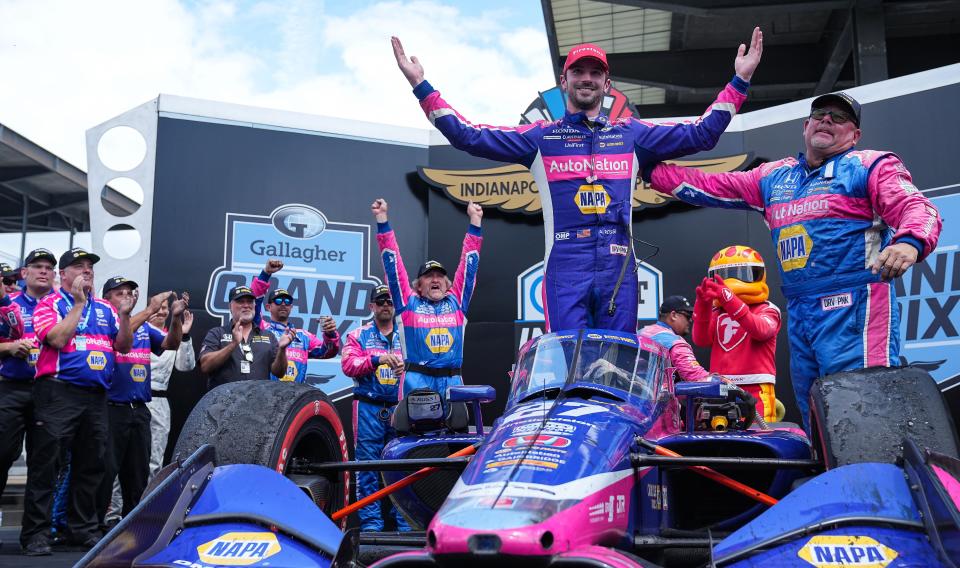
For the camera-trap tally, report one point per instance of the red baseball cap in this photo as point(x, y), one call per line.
point(585, 50)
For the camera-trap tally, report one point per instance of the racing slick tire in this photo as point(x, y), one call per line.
point(269, 423)
point(864, 415)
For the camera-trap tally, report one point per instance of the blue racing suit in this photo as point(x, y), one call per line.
point(374, 398)
point(431, 332)
point(587, 173)
point(304, 346)
point(828, 225)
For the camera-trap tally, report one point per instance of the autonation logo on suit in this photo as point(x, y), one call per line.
point(530, 319)
point(326, 268)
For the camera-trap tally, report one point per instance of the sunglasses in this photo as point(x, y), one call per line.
point(383, 302)
point(9, 281)
point(247, 352)
point(688, 315)
point(837, 116)
point(283, 301)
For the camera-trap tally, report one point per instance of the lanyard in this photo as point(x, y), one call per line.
point(82, 325)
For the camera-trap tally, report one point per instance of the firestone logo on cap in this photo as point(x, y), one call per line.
point(585, 50)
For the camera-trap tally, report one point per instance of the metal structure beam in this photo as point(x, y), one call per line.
point(839, 52)
point(870, 38)
point(732, 7)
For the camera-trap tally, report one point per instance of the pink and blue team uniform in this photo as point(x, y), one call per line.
point(131, 372)
point(304, 346)
point(375, 393)
point(16, 317)
point(828, 226)
point(88, 359)
point(587, 175)
point(431, 332)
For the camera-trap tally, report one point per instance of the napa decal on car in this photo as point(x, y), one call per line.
point(825, 551)
point(239, 548)
point(530, 319)
point(326, 269)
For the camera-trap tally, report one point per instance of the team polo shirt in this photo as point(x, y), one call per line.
point(88, 359)
point(263, 345)
point(15, 368)
point(131, 374)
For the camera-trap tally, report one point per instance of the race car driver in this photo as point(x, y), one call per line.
point(433, 312)
point(305, 345)
point(373, 357)
point(586, 167)
point(733, 317)
point(676, 315)
point(830, 213)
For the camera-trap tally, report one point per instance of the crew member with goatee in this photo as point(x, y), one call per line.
point(305, 345)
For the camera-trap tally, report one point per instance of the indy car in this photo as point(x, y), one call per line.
point(598, 460)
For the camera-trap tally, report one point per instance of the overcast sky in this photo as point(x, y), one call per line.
point(69, 65)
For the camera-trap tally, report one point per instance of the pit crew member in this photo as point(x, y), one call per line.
point(373, 356)
point(127, 454)
point(80, 336)
point(305, 345)
point(242, 351)
point(433, 312)
point(844, 222)
point(733, 317)
point(18, 357)
point(586, 166)
point(676, 315)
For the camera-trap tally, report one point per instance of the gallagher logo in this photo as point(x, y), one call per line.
point(326, 269)
point(239, 548)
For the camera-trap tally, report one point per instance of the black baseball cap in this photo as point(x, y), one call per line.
point(278, 293)
point(75, 254)
point(431, 265)
point(676, 304)
point(381, 291)
point(40, 254)
point(7, 271)
point(239, 292)
point(842, 99)
point(116, 282)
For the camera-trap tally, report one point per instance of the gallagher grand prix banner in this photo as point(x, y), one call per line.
point(326, 268)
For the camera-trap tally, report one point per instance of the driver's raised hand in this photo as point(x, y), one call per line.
point(411, 67)
point(746, 62)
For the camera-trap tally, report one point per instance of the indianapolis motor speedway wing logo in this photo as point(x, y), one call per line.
point(511, 188)
point(326, 270)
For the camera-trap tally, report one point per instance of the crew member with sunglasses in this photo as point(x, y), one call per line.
point(374, 358)
point(676, 317)
point(305, 345)
point(733, 317)
point(844, 222)
point(242, 351)
point(10, 277)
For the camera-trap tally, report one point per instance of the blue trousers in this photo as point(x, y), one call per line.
point(841, 331)
point(372, 431)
